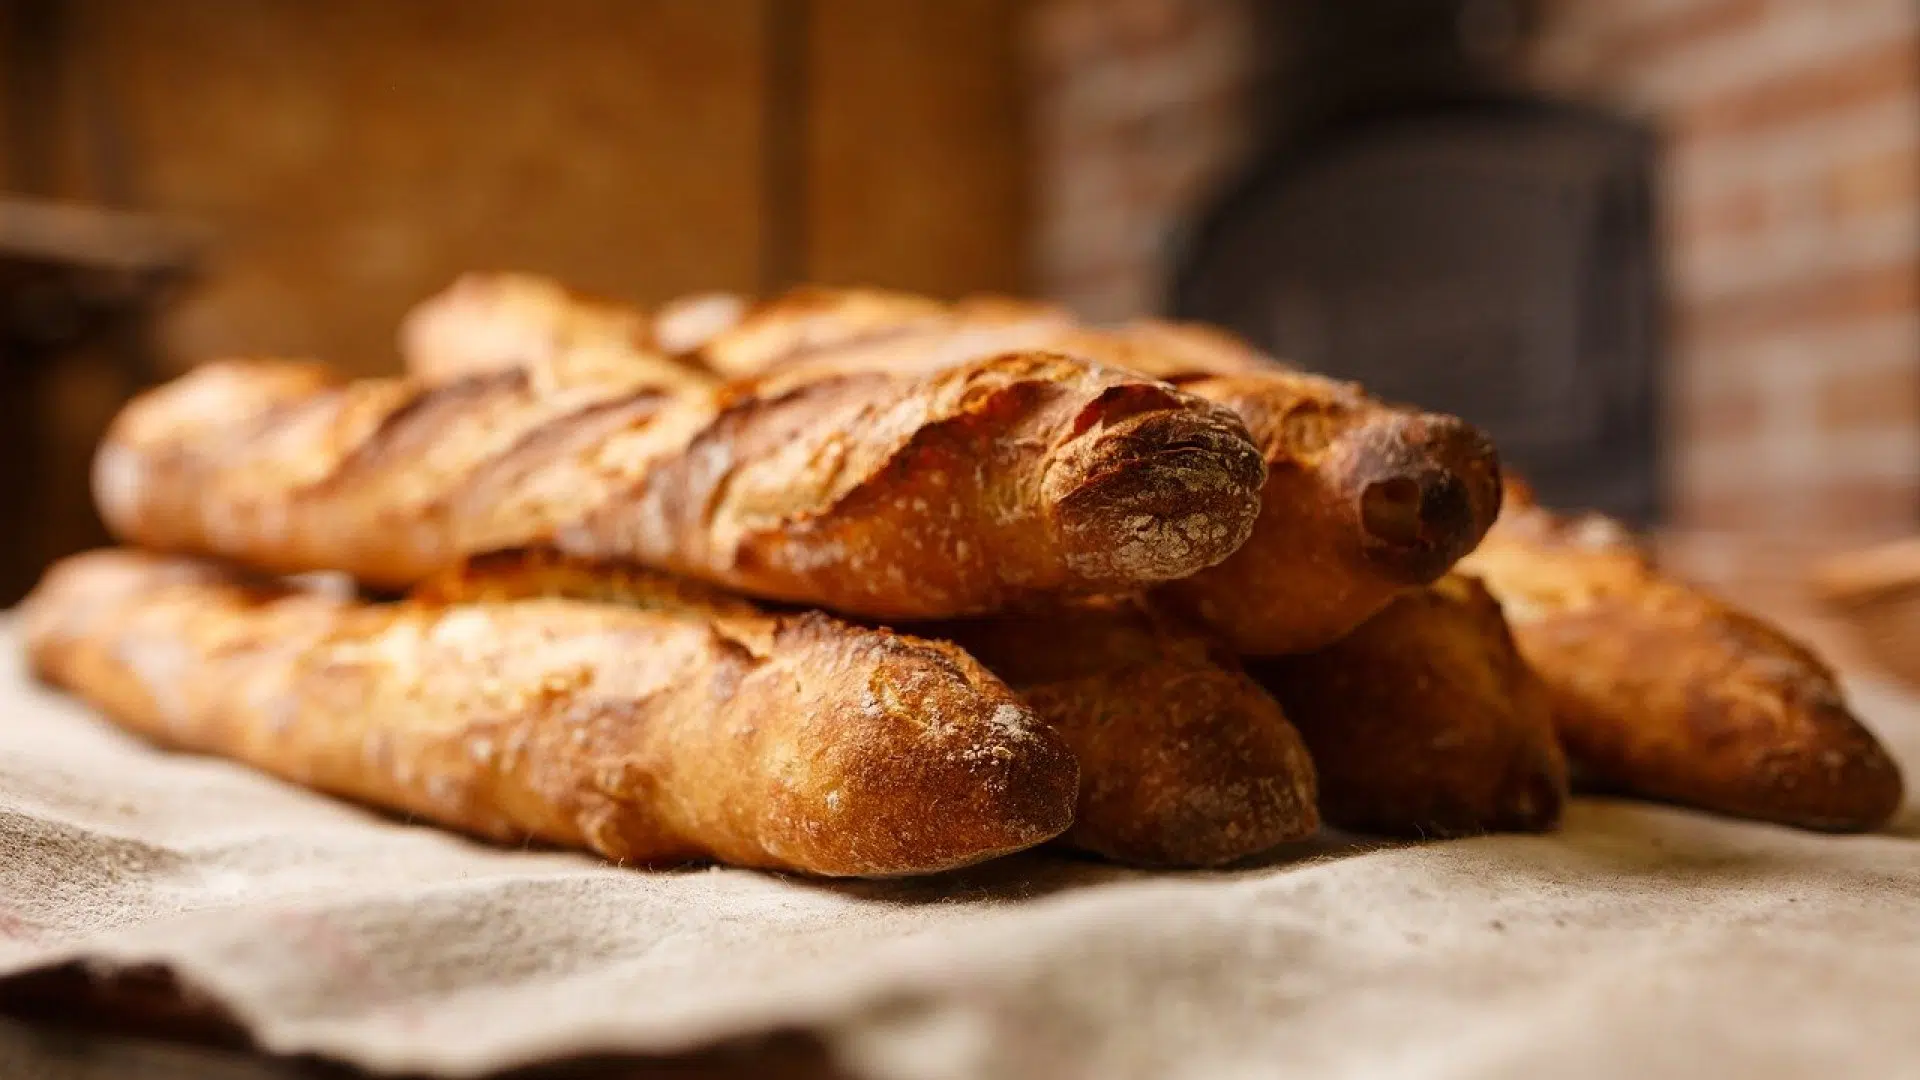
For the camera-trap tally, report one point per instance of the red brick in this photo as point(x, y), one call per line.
point(1874, 184)
point(1727, 413)
point(1680, 29)
point(1872, 396)
point(1865, 293)
point(1886, 71)
point(1732, 214)
point(1107, 292)
point(1216, 114)
point(1859, 505)
point(1811, 508)
point(1716, 509)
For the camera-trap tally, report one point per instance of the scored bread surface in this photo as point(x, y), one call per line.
point(1184, 760)
point(791, 742)
point(889, 495)
point(1662, 690)
point(1361, 501)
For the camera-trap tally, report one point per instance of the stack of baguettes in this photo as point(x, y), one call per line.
point(623, 577)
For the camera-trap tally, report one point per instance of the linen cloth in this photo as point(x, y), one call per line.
point(1639, 940)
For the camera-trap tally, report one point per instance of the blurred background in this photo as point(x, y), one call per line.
point(1668, 251)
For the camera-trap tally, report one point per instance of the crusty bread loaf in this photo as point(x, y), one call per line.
point(682, 326)
point(790, 325)
point(655, 734)
point(1184, 760)
point(1190, 348)
point(490, 323)
point(1362, 501)
point(1425, 721)
point(1661, 690)
point(891, 495)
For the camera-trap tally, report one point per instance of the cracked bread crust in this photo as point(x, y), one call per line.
point(888, 495)
point(675, 732)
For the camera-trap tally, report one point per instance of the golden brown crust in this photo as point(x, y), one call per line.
point(491, 323)
point(789, 742)
point(1363, 500)
point(959, 491)
point(808, 317)
point(1662, 690)
point(535, 573)
point(991, 308)
point(1425, 721)
point(1200, 348)
point(1184, 761)
point(683, 326)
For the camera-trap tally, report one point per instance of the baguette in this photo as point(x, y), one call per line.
point(789, 326)
point(786, 742)
point(1425, 721)
point(959, 491)
point(683, 325)
point(1362, 500)
point(1658, 689)
point(489, 323)
point(1184, 760)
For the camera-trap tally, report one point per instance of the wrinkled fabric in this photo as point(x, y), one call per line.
point(1640, 940)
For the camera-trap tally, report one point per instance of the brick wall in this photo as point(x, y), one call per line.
point(1790, 199)
point(1141, 108)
